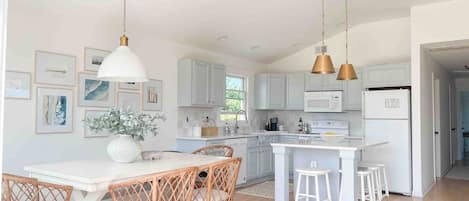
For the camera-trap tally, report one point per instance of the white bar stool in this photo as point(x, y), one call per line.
point(382, 176)
point(315, 173)
point(366, 185)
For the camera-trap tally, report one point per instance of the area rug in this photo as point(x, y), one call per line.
point(264, 190)
point(459, 172)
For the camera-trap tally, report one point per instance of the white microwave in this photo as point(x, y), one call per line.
point(323, 101)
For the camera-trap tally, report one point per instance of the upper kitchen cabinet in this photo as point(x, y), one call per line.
point(270, 91)
point(386, 75)
point(295, 91)
point(200, 83)
point(318, 82)
point(353, 93)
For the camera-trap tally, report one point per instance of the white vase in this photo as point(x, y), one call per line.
point(124, 149)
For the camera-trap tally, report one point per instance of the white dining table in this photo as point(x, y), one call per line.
point(90, 179)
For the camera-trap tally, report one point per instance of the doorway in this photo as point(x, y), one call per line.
point(436, 127)
point(464, 105)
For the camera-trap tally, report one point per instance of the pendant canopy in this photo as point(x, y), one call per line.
point(346, 71)
point(122, 65)
point(323, 63)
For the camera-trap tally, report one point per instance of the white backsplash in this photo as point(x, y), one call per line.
point(289, 119)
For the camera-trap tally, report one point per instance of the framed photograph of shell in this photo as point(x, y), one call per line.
point(95, 93)
point(152, 95)
point(54, 110)
point(128, 101)
point(89, 133)
point(54, 68)
point(129, 85)
point(17, 85)
point(94, 58)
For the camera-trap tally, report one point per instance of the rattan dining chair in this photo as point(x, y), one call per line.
point(18, 188)
point(215, 150)
point(176, 185)
point(221, 181)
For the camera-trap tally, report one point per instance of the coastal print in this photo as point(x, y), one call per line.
point(54, 110)
point(152, 95)
point(94, 58)
point(94, 92)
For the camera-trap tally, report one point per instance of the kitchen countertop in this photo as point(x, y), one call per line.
point(347, 144)
point(253, 134)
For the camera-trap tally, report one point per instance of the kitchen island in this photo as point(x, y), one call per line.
point(343, 155)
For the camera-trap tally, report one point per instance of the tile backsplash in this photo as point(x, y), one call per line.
point(289, 119)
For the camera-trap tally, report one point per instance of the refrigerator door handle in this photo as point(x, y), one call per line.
point(436, 132)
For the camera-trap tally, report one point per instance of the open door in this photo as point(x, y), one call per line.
point(436, 128)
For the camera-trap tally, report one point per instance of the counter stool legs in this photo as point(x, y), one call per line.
point(316, 173)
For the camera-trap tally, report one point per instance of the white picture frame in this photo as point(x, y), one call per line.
point(54, 110)
point(89, 133)
point(55, 68)
point(129, 85)
point(18, 85)
point(152, 95)
point(93, 58)
point(95, 93)
point(128, 100)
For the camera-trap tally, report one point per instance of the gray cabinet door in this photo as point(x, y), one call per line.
point(313, 82)
point(200, 83)
point(387, 75)
point(276, 91)
point(266, 161)
point(330, 82)
point(253, 163)
point(353, 93)
point(295, 91)
point(217, 85)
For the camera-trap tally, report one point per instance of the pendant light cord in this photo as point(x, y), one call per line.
point(346, 31)
point(323, 27)
point(125, 17)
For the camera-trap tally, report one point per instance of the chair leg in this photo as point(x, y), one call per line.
point(371, 189)
point(297, 194)
point(316, 185)
point(307, 188)
point(386, 187)
point(362, 187)
point(328, 188)
point(379, 189)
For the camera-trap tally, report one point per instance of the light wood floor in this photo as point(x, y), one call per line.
point(444, 190)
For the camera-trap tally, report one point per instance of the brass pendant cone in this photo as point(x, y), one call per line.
point(124, 40)
point(323, 65)
point(346, 72)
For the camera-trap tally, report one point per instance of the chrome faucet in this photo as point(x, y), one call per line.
point(236, 127)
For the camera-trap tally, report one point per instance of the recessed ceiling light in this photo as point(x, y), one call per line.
point(255, 47)
point(222, 38)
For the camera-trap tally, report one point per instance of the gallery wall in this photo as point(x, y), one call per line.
point(33, 29)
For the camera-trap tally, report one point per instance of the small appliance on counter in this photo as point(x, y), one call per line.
point(272, 125)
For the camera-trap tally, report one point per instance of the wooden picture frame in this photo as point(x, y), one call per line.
point(152, 95)
point(93, 58)
point(54, 68)
point(54, 110)
point(95, 93)
point(18, 85)
point(128, 100)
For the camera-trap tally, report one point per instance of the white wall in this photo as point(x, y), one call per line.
point(3, 33)
point(31, 30)
point(438, 22)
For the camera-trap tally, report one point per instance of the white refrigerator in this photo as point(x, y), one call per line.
point(386, 116)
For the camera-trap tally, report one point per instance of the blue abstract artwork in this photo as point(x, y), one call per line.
point(55, 110)
point(96, 90)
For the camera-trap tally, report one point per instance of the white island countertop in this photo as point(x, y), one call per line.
point(346, 144)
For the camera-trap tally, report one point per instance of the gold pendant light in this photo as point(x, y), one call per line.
point(346, 72)
point(323, 63)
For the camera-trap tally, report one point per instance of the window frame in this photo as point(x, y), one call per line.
point(244, 91)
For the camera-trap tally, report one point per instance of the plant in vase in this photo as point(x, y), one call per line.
point(130, 127)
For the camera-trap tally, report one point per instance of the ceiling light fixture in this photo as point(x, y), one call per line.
point(346, 71)
point(323, 63)
point(122, 65)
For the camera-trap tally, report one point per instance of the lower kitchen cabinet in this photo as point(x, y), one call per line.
point(252, 163)
point(266, 161)
point(260, 159)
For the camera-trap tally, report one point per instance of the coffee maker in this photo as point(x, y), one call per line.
point(272, 124)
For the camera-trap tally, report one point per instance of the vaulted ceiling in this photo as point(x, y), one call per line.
point(258, 30)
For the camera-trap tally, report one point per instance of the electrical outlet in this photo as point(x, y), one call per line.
point(313, 164)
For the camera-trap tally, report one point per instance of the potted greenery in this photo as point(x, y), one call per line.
point(130, 127)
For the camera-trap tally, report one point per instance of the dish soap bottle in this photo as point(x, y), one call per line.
point(300, 125)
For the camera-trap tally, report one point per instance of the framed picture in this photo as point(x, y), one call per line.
point(95, 93)
point(94, 58)
point(152, 97)
point(89, 133)
point(17, 85)
point(128, 100)
point(54, 68)
point(129, 85)
point(54, 110)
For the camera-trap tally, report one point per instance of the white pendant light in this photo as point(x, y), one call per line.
point(122, 65)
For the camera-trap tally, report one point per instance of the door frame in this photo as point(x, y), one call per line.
point(436, 93)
